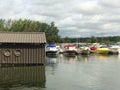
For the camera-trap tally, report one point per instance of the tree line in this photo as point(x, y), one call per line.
point(51, 31)
point(26, 25)
point(93, 39)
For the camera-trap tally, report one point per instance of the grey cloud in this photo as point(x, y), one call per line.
point(88, 8)
point(74, 18)
point(110, 3)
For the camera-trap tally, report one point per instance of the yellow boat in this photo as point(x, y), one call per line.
point(103, 50)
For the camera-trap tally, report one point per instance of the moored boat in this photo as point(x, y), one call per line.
point(69, 50)
point(52, 50)
point(103, 49)
point(114, 49)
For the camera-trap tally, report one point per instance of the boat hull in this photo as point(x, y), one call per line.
point(51, 52)
point(69, 52)
point(102, 50)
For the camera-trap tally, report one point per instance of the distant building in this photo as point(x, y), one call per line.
point(22, 47)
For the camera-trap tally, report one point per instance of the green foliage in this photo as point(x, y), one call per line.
point(31, 26)
point(93, 39)
point(2, 23)
point(66, 40)
point(52, 33)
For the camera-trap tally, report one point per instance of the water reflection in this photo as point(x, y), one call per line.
point(84, 58)
point(119, 56)
point(83, 72)
point(27, 76)
point(51, 60)
point(102, 58)
point(69, 59)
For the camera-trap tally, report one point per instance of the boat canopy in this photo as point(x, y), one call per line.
point(69, 45)
point(51, 46)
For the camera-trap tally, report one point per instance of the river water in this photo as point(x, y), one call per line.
point(91, 72)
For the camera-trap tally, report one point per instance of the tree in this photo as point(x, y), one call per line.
point(67, 40)
point(2, 23)
point(31, 26)
point(93, 39)
point(52, 33)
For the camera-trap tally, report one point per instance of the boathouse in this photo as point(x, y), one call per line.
point(22, 47)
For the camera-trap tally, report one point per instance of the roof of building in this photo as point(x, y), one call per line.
point(22, 37)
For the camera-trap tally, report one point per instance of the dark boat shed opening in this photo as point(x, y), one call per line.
point(22, 47)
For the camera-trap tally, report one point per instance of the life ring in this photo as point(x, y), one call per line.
point(17, 52)
point(7, 52)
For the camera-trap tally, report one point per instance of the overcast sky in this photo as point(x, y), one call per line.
point(74, 18)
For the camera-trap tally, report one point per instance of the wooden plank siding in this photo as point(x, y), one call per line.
point(29, 54)
point(22, 37)
point(25, 75)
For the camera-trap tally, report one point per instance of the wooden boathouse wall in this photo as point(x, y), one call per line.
point(29, 76)
point(22, 48)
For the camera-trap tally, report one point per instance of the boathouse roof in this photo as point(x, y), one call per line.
point(22, 37)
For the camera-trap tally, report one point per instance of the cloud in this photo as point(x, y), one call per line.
point(110, 3)
point(89, 7)
point(72, 17)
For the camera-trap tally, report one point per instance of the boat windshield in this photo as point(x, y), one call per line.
point(51, 46)
point(104, 47)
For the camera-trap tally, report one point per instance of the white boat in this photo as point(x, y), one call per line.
point(114, 49)
point(85, 50)
point(69, 50)
point(52, 50)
